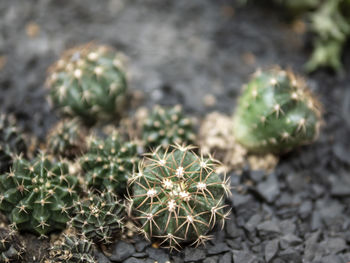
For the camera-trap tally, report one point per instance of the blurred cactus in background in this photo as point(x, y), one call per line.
point(88, 81)
point(276, 113)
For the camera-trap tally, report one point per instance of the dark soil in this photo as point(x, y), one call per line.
point(180, 52)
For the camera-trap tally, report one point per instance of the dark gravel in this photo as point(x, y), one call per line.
point(299, 213)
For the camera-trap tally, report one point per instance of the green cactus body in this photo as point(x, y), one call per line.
point(108, 163)
point(67, 139)
point(167, 126)
point(276, 113)
point(178, 197)
point(88, 81)
point(37, 196)
point(11, 142)
point(11, 247)
point(99, 217)
point(73, 250)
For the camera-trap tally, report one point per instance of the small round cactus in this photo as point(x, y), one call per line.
point(73, 250)
point(276, 113)
point(88, 81)
point(166, 126)
point(11, 142)
point(178, 196)
point(99, 217)
point(67, 139)
point(37, 196)
point(11, 247)
point(108, 163)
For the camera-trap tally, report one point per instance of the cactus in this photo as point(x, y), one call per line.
point(108, 163)
point(88, 81)
point(72, 250)
point(66, 139)
point(99, 217)
point(177, 196)
point(166, 126)
point(11, 142)
point(276, 113)
point(11, 247)
point(37, 196)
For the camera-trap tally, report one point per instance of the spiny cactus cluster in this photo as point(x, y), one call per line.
point(38, 195)
point(66, 139)
point(178, 197)
point(72, 250)
point(11, 247)
point(276, 112)
point(88, 81)
point(108, 163)
point(99, 217)
point(11, 142)
point(166, 126)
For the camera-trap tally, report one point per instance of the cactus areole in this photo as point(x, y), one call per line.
point(88, 81)
point(178, 197)
point(276, 113)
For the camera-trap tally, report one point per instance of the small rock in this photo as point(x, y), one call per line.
point(305, 209)
point(271, 249)
point(269, 189)
point(290, 240)
point(141, 245)
point(122, 251)
point(194, 254)
point(340, 185)
point(159, 255)
point(334, 245)
point(332, 259)
point(253, 222)
point(133, 260)
point(100, 257)
point(226, 258)
point(243, 257)
point(211, 259)
point(139, 255)
point(268, 227)
point(218, 248)
point(290, 255)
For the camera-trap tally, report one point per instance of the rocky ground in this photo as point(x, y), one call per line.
point(198, 53)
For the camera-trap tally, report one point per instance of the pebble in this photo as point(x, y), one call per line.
point(160, 255)
point(271, 249)
point(122, 251)
point(194, 254)
point(269, 189)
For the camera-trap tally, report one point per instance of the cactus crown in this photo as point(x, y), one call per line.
point(99, 217)
point(177, 196)
point(276, 112)
point(66, 139)
point(166, 126)
point(108, 163)
point(11, 142)
point(88, 81)
point(73, 250)
point(37, 196)
point(11, 247)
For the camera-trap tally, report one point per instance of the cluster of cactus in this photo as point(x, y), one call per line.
point(66, 139)
point(99, 217)
point(11, 142)
point(11, 247)
point(177, 196)
point(167, 126)
point(73, 250)
point(276, 113)
point(88, 81)
point(108, 163)
point(38, 195)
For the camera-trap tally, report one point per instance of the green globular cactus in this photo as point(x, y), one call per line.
point(108, 163)
point(167, 126)
point(11, 142)
point(276, 113)
point(178, 196)
point(37, 196)
point(100, 217)
point(67, 139)
point(73, 250)
point(88, 81)
point(11, 247)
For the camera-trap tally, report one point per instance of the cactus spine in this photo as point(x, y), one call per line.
point(11, 247)
point(37, 196)
point(88, 81)
point(178, 197)
point(276, 113)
